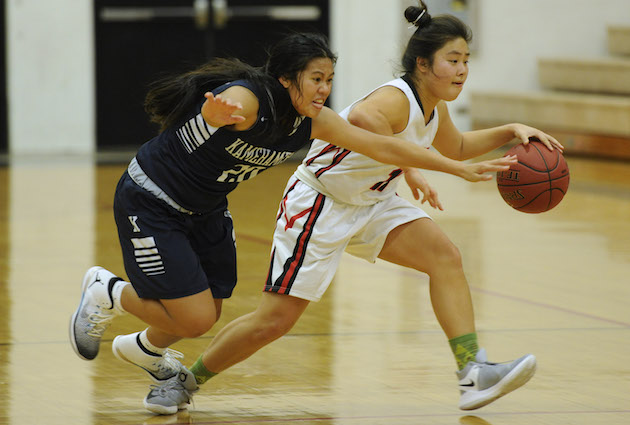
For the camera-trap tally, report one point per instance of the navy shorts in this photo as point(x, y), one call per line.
point(169, 254)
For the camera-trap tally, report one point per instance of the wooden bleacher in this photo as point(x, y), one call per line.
point(584, 103)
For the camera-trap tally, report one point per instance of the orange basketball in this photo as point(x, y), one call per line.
point(539, 180)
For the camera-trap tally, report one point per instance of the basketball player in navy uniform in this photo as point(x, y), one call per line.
point(342, 200)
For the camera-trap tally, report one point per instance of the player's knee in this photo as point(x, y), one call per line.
point(195, 327)
point(269, 331)
point(448, 255)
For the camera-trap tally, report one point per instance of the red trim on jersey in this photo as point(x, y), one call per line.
point(291, 222)
point(283, 202)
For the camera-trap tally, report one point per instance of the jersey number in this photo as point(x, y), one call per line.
point(239, 173)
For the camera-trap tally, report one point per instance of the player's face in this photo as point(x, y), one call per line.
point(315, 83)
point(448, 74)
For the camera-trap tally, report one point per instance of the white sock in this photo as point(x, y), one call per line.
point(144, 340)
point(117, 294)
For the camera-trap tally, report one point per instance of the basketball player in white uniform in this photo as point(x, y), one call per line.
point(339, 200)
point(360, 208)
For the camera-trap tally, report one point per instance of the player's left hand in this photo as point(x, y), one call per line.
point(417, 183)
point(526, 133)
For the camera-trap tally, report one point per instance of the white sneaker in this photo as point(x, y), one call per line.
point(160, 367)
point(173, 395)
point(95, 312)
point(481, 382)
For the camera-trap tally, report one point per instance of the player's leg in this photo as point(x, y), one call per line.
point(170, 288)
point(274, 317)
point(148, 349)
point(238, 340)
point(421, 245)
point(206, 252)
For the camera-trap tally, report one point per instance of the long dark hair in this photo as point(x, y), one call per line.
point(170, 98)
point(430, 36)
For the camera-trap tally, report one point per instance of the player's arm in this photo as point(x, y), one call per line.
point(450, 142)
point(236, 106)
point(330, 127)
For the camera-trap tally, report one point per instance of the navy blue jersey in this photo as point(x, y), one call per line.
point(198, 165)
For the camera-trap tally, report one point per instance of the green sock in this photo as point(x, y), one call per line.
point(464, 348)
point(201, 373)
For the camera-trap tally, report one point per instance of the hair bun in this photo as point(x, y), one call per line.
point(417, 15)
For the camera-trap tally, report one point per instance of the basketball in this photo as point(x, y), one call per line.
point(539, 180)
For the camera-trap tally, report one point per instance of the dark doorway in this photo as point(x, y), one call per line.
point(4, 143)
point(139, 40)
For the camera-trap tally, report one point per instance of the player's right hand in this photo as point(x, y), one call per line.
point(480, 171)
point(219, 111)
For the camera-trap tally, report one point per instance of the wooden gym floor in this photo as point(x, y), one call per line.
point(371, 352)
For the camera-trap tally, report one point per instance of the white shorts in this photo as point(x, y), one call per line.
point(312, 232)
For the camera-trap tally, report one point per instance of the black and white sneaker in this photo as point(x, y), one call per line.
point(95, 312)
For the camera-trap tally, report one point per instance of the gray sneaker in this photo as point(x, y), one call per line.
point(482, 382)
point(160, 367)
point(95, 312)
point(174, 394)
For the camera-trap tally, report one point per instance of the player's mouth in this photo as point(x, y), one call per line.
point(318, 103)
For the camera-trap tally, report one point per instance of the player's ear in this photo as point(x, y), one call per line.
point(285, 83)
point(422, 64)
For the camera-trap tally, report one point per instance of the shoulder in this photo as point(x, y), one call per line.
point(249, 102)
point(241, 94)
point(384, 98)
point(387, 104)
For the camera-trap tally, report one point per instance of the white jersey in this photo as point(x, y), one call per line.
point(354, 178)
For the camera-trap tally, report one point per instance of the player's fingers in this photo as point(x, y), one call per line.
point(506, 160)
point(524, 137)
point(556, 143)
point(237, 118)
point(545, 141)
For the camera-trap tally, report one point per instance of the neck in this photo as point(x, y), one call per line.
point(428, 100)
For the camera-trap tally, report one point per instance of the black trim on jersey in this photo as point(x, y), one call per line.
point(407, 79)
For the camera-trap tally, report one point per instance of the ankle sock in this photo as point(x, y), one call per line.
point(116, 289)
point(144, 342)
point(464, 348)
point(202, 374)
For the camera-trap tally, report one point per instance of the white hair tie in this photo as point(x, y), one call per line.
point(413, 24)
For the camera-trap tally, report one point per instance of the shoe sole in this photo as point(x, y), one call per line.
point(513, 380)
point(163, 410)
point(86, 279)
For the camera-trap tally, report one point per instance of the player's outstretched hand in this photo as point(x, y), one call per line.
point(525, 133)
point(219, 111)
point(480, 171)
